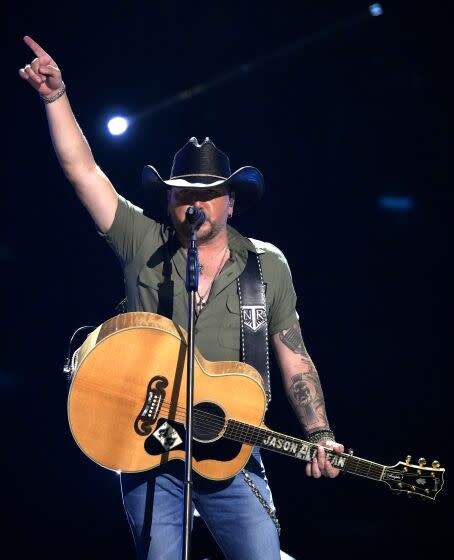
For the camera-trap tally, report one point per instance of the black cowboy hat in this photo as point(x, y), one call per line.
point(202, 166)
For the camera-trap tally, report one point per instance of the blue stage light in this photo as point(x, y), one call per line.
point(396, 203)
point(376, 9)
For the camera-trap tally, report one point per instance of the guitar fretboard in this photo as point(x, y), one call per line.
point(300, 449)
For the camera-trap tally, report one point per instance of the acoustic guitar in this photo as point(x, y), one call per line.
point(127, 409)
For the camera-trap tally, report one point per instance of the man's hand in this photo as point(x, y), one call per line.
point(320, 466)
point(42, 73)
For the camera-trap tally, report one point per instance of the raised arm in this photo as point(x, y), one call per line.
point(92, 186)
point(304, 391)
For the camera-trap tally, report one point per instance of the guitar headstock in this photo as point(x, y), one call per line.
point(415, 479)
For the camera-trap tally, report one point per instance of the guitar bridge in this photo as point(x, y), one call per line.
point(153, 401)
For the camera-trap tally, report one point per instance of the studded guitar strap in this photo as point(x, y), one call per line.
point(254, 344)
point(253, 318)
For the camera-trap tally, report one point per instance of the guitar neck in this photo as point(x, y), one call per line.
point(300, 449)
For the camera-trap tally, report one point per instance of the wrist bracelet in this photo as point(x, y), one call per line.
point(319, 435)
point(56, 95)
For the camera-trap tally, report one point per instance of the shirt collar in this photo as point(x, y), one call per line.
point(239, 247)
point(239, 243)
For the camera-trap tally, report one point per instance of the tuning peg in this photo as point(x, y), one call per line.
point(435, 464)
point(408, 459)
point(421, 462)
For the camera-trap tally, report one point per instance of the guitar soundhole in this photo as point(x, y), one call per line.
point(208, 422)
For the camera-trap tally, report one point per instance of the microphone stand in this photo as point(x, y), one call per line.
point(192, 284)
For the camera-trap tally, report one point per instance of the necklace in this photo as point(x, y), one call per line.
point(201, 304)
point(202, 265)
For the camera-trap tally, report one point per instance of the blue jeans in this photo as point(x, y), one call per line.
point(232, 512)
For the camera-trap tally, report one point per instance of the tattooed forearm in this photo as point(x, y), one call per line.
point(292, 339)
point(301, 379)
point(305, 394)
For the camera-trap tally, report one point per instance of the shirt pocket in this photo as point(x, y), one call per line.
point(157, 294)
point(229, 334)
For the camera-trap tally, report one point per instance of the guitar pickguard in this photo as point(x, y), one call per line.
point(167, 436)
point(221, 449)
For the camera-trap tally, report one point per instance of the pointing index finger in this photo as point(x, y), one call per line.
point(37, 49)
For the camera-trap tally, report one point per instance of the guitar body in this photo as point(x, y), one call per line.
point(127, 400)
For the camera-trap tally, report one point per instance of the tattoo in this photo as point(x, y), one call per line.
point(293, 339)
point(305, 393)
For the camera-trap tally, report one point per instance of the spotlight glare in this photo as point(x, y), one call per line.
point(376, 9)
point(117, 125)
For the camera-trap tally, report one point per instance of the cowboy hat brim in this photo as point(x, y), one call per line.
point(247, 183)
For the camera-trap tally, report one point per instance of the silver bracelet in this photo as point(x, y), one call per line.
point(56, 95)
point(320, 435)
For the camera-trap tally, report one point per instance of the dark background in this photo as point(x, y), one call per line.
point(337, 109)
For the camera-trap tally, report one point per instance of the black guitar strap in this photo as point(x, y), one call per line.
point(254, 322)
point(254, 342)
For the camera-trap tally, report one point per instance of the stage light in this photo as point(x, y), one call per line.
point(376, 9)
point(117, 125)
point(285, 556)
point(396, 203)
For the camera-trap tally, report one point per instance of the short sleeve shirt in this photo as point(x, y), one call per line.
point(154, 268)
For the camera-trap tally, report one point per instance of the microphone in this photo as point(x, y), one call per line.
point(195, 216)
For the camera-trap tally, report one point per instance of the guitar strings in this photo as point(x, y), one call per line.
point(253, 435)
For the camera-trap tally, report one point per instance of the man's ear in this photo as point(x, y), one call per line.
point(231, 203)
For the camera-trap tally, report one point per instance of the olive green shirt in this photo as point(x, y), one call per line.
point(154, 267)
